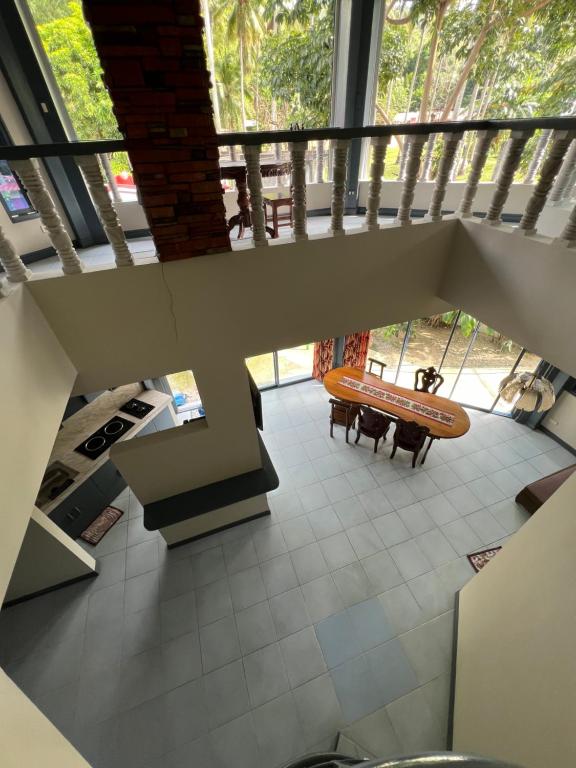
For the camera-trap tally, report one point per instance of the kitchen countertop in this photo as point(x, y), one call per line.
point(87, 421)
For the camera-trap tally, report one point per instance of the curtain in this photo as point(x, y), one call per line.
point(323, 358)
point(356, 349)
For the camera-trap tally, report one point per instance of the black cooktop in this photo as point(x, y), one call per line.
point(101, 440)
point(137, 408)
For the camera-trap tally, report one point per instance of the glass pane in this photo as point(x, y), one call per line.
point(456, 350)
point(530, 363)
point(13, 196)
point(490, 359)
point(184, 391)
point(295, 363)
point(262, 369)
point(386, 345)
point(426, 345)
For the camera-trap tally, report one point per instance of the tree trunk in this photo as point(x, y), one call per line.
point(210, 49)
point(414, 74)
point(460, 150)
point(538, 155)
point(438, 21)
point(242, 96)
point(389, 96)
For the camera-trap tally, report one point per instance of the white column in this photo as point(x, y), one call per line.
point(561, 185)
point(30, 176)
point(94, 179)
point(15, 269)
point(451, 142)
point(559, 146)
point(379, 146)
point(298, 184)
point(411, 176)
point(568, 236)
point(511, 161)
point(254, 180)
point(539, 150)
point(340, 147)
point(484, 140)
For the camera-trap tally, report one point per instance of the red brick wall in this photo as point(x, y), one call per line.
point(155, 69)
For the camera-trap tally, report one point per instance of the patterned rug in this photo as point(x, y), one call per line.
point(479, 559)
point(99, 527)
point(400, 401)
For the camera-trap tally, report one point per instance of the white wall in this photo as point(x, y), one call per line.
point(553, 218)
point(561, 419)
point(516, 666)
point(521, 286)
point(26, 236)
point(37, 377)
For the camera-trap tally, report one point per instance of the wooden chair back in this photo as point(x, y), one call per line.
point(373, 362)
point(428, 380)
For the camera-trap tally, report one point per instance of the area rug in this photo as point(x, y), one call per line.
point(400, 401)
point(99, 527)
point(479, 559)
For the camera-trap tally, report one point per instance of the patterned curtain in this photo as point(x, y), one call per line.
point(323, 357)
point(356, 349)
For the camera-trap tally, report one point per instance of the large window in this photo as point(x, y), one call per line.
point(12, 194)
point(283, 367)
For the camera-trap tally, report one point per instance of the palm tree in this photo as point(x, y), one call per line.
point(244, 22)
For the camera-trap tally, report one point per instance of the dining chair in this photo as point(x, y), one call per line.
point(344, 414)
point(431, 380)
point(372, 424)
point(409, 436)
point(372, 361)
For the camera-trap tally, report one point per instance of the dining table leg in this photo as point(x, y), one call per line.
point(427, 449)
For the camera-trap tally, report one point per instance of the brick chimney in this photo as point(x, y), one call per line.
point(155, 69)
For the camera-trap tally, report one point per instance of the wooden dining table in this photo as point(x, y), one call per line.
point(444, 418)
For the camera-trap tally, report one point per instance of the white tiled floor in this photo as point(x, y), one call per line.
point(260, 643)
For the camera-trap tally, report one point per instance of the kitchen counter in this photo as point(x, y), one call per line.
point(88, 420)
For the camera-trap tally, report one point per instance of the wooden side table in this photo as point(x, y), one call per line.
point(274, 201)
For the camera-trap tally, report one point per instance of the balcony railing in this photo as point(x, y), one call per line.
point(318, 153)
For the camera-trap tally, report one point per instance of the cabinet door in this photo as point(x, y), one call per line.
point(76, 512)
point(109, 481)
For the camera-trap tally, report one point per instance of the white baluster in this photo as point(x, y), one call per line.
point(254, 179)
point(539, 150)
point(298, 185)
point(94, 179)
point(16, 270)
point(484, 140)
point(379, 146)
point(32, 180)
point(560, 142)
point(568, 236)
point(319, 161)
point(561, 185)
point(340, 147)
point(411, 176)
point(451, 142)
point(516, 144)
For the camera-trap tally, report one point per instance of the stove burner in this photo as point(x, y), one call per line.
point(113, 427)
point(94, 443)
point(138, 408)
point(103, 438)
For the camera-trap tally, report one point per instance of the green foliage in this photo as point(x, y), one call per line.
point(394, 54)
point(68, 43)
point(48, 10)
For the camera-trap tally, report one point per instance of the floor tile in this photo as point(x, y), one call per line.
point(465, 469)
point(265, 674)
point(416, 519)
point(247, 588)
point(278, 575)
point(302, 656)
point(486, 526)
point(278, 731)
point(510, 515)
point(444, 477)
point(375, 503)
point(322, 598)
point(401, 608)
point(361, 480)
point(370, 623)
point(353, 584)
point(338, 639)
point(219, 643)
point(432, 594)
point(240, 554)
point(461, 536)
point(426, 655)
point(141, 631)
point(337, 489)
point(382, 571)
point(269, 542)
point(436, 547)
point(186, 714)
point(327, 466)
point(391, 529)
point(141, 558)
point(226, 694)
point(208, 566)
point(508, 483)
point(486, 491)
point(422, 486)
point(365, 540)
point(486, 461)
point(297, 532)
point(414, 724)
point(376, 734)
point(318, 710)
point(391, 671)
point(350, 512)
point(286, 505)
point(316, 448)
point(309, 562)
point(313, 497)
point(440, 509)
point(410, 559)
point(255, 627)
point(289, 612)
point(463, 500)
point(399, 494)
point(175, 578)
point(235, 744)
point(302, 476)
point(337, 551)
point(324, 522)
point(356, 689)
point(178, 616)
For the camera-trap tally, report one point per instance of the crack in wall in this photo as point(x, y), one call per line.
point(170, 301)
